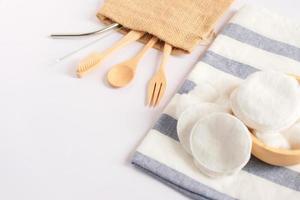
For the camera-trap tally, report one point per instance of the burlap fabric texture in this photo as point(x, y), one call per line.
point(181, 23)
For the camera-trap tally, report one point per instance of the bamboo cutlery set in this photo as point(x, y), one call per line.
point(123, 73)
point(174, 26)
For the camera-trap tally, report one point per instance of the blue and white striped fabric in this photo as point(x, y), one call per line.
point(253, 40)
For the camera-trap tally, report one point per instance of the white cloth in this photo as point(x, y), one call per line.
point(253, 40)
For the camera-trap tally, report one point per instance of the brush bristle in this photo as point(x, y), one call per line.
point(88, 63)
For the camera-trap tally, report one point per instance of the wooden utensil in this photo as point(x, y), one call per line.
point(93, 60)
point(157, 85)
point(121, 74)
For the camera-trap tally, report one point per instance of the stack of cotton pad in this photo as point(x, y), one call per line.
point(273, 139)
point(269, 103)
point(220, 144)
point(208, 133)
point(191, 107)
point(190, 116)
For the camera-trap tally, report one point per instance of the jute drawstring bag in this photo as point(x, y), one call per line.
point(181, 23)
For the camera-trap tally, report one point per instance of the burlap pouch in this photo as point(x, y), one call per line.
point(181, 23)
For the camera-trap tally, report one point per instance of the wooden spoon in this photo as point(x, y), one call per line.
point(122, 74)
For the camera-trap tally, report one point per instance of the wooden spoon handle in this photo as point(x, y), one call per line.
point(149, 45)
point(127, 39)
point(94, 59)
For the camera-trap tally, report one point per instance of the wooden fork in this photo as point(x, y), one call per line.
point(158, 83)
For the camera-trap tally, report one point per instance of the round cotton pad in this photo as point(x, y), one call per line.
point(267, 100)
point(221, 144)
point(207, 171)
point(224, 101)
point(273, 139)
point(184, 101)
point(204, 92)
point(293, 136)
point(190, 116)
point(213, 174)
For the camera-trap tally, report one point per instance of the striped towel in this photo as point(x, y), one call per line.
point(253, 40)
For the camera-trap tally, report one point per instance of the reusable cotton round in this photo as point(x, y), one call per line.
point(220, 144)
point(267, 100)
point(273, 139)
point(224, 101)
point(293, 136)
point(190, 116)
point(184, 101)
point(204, 92)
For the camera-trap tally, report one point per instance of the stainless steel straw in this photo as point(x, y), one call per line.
point(98, 32)
point(103, 35)
point(103, 30)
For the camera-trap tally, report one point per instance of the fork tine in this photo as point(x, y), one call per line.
point(154, 94)
point(150, 91)
point(160, 93)
point(157, 94)
point(157, 85)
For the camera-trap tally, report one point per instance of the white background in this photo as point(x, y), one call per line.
point(67, 138)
